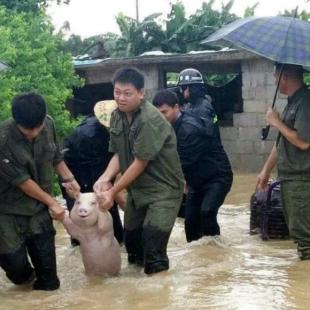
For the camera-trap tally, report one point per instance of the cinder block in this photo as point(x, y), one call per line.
point(238, 147)
point(263, 147)
point(248, 163)
point(261, 119)
point(244, 120)
point(249, 133)
point(264, 93)
point(248, 93)
point(229, 133)
point(270, 80)
point(254, 106)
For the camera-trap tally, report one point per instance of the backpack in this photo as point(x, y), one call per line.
point(266, 214)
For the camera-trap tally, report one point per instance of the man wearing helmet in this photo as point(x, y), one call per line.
point(207, 192)
point(204, 162)
point(193, 92)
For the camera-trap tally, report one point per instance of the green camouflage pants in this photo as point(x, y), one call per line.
point(296, 203)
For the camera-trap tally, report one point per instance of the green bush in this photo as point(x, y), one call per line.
point(37, 63)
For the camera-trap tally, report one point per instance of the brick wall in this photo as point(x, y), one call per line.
point(242, 142)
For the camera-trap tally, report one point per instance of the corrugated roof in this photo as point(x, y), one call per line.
point(204, 56)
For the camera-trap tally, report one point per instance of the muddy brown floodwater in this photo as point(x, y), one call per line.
point(238, 272)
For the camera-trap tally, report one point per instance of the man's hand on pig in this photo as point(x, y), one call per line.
point(106, 199)
point(72, 188)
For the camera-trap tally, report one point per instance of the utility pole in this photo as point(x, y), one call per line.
point(137, 11)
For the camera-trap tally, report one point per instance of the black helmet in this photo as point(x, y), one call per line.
point(190, 76)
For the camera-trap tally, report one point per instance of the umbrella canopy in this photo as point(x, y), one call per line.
point(281, 39)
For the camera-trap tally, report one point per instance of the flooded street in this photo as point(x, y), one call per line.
point(237, 272)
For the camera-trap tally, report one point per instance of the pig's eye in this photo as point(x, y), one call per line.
point(77, 202)
point(93, 203)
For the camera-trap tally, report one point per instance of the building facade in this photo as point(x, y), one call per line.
point(242, 136)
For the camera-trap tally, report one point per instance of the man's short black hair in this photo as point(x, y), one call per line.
point(165, 96)
point(294, 71)
point(29, 110)
point(129, 76)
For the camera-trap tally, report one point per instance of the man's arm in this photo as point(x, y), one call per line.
point(33, 190)
point(264, 175)
point(104, 181)
point(68, 181)
point(133, 171)
point(273, 118)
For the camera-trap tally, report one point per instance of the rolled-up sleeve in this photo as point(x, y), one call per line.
point(302, 122)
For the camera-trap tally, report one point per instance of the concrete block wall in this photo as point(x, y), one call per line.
point(246, 150)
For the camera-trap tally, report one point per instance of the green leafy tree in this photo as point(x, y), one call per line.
point(78, 46)
point(178, 34)
point(29, 5)
point(176, 26)
point(136, 37)
point(250, 10)
point(37, 63)
point(185, 34)
point(303, 15)
point(207, 20)
point(74, 45)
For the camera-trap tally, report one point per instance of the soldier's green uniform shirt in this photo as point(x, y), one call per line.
point(293, 163)
point(20, 160)
point(294, 171)
point(149, 137)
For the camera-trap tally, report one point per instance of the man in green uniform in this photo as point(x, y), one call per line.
point(28, 152)
point(144, 144)
point(291, 153)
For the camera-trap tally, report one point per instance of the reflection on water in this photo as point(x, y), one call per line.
point(238, 271)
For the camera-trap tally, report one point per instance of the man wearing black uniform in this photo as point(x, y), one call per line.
point(194, 94)
point(204, 162)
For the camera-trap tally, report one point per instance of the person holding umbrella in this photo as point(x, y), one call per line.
point(291, 154)
point(286, 41)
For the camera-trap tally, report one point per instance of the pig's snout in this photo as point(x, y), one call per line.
point(82, 212)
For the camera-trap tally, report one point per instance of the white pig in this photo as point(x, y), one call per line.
point(94, 229)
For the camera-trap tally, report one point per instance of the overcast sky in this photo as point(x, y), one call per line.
point(91, 17)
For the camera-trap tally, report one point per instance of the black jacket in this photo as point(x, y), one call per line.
point(86, 152)
point(202, 155)
point(202, 107)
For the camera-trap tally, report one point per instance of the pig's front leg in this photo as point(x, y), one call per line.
point(72, 229)
point(105, 222)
